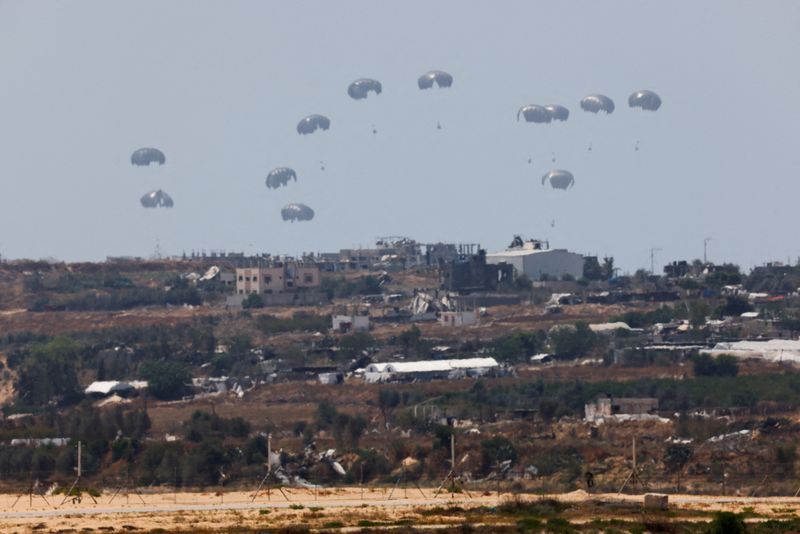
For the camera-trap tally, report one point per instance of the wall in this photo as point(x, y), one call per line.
point(554, 263)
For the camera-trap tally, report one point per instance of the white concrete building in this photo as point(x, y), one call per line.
point(458, 318)
point(534, 259)
point(350, 323)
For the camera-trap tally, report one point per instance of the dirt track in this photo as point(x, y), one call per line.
point(187, 511)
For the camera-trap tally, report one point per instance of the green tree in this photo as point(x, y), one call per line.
point(518, 347)
point(676, 456)
point(166, 379)
point(734, 307)
point(727, 365)
point(253, 300)
point(409, 339)
point(698, 311)
point(48, 373)
point(388, 400)
point(592, 269)
point(574, 341)
point(496, 450)
point(723, 365)
point(356, 426)
point(353, 345)
point(608, 268)
point(326, 414)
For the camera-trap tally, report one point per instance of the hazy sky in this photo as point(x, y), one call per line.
point(220, 86)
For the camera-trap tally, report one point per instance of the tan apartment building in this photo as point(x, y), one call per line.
point(278, 278)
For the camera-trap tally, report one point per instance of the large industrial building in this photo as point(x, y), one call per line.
point(537, 260)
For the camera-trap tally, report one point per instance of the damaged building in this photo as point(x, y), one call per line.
point(610, 407)
point(279, 283)
point(473, 273)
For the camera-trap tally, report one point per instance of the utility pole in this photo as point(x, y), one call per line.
point(705, 250)
point(653, 259)
point(79, 471)
point(634, 474)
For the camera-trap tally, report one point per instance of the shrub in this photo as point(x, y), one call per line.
point(727, 523)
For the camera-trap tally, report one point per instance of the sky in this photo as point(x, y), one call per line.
point(219, 87)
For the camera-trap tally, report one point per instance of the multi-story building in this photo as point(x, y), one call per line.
point(277, 278)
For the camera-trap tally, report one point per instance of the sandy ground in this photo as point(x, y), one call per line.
point(215, 511)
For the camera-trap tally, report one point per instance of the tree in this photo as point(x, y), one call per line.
point(388, 400)
point(356, 425)
point(727, 365)
point(592, 269)
point(608, 268)
point(734, 307)
point(698, 311)
point(253, 300)
point(571, 341)
point(353, 345)
point(47, 374)
point(518, 347)
point(496, 450)
point(676, 456)
point(166, 379)
point(522, 283)
point(326, 414)
point(409, 340)
point(723, 365)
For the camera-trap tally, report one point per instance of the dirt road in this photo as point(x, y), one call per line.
point(194, 511)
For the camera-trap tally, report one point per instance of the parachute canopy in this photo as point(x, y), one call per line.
point(146, 156)
point(440, 78)
point(280, 176)
point(311, 123)
point(557, 113)
point(297, 212)
point(644, 99)
point(597, 103)
point(534, 113)
point(360, 88)
point(559, 179)
point(157, 199)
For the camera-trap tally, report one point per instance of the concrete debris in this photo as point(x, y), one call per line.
point(40, 442)
point(294, 469)
point(679, 441)
point(622, 418)
point(223, 384)
point(732, 435)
